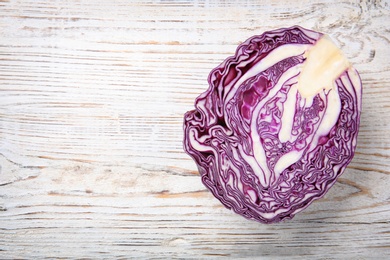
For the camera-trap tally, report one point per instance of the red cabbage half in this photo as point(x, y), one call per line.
point(277, 125)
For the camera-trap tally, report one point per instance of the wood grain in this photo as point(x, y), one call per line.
point(92, 99)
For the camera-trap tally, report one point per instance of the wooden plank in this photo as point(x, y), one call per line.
point(91, 107)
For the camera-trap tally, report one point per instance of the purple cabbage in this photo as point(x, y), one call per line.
point(254, 161)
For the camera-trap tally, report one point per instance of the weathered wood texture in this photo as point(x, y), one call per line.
point(91, 106)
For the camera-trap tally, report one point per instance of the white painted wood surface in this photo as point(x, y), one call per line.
point(91, 106)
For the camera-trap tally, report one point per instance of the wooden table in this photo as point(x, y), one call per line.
point(92, 101)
